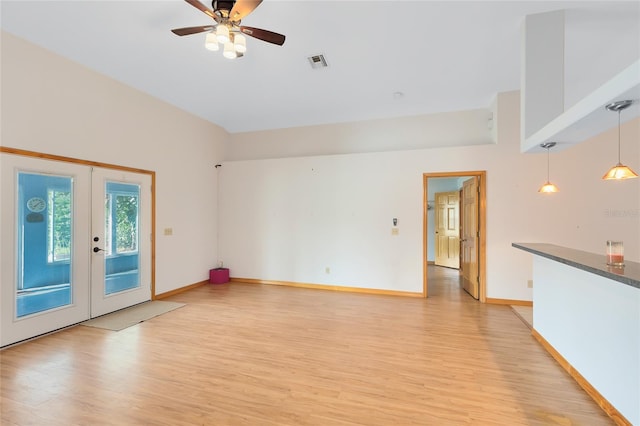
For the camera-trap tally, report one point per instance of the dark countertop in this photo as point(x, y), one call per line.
point(590, 262)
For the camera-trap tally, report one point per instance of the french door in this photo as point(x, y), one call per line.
point(121, 240)
point(76, 244)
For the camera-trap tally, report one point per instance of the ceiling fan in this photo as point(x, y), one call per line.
point(226, 30)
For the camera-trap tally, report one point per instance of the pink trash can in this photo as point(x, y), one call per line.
point(219, 275)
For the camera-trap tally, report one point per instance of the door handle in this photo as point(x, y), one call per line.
point(97, 249)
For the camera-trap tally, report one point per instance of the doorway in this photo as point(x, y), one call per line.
point(472, 229)
point(77, 242)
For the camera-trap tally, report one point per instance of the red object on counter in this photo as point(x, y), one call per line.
point(615, 259)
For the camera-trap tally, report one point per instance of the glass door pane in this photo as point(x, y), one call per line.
point(44, 229)
point(122, 263)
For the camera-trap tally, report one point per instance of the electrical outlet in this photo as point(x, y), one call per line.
point(530, 283)
point(395, 231)
point(168, 231)
point(327, 270)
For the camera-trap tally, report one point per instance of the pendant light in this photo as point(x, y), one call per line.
point(548, 187)
point(619, 171)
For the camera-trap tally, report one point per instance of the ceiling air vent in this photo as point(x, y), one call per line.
point(317, 61)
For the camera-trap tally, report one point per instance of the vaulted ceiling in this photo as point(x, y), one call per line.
point(385, 58)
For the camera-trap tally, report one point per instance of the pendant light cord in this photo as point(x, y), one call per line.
point(619, 136)
point(547, 164)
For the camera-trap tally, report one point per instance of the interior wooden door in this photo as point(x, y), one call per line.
point(447, 230)
point(469, 240)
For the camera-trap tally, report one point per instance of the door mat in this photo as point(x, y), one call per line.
point(127, 317)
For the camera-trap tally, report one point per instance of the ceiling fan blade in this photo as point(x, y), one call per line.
point(205, 9)
point(242, 8)
point(192, 30)
point(265, 35)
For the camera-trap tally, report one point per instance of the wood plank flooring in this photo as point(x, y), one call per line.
point(247, 354)
point(525, 313)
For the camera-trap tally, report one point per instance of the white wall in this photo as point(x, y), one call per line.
point(55, 106)
point(611, 36)
point(556, 46)
point(288, 219)
point(394, 134)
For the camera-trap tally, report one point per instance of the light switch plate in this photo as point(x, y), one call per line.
point(395, 231)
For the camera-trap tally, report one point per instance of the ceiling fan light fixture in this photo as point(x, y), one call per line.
point(211, 42)
point(229, 51)
point(227, 15)
point(222, 34)
point(240, 43)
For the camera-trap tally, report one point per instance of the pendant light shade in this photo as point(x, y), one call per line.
point(548, 187)
point(619, 171)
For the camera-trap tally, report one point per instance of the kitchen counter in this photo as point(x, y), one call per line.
point(590, 262)
point(587, 315)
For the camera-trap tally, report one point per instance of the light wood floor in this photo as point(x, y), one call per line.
point(247, 354)
point(525, 313)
